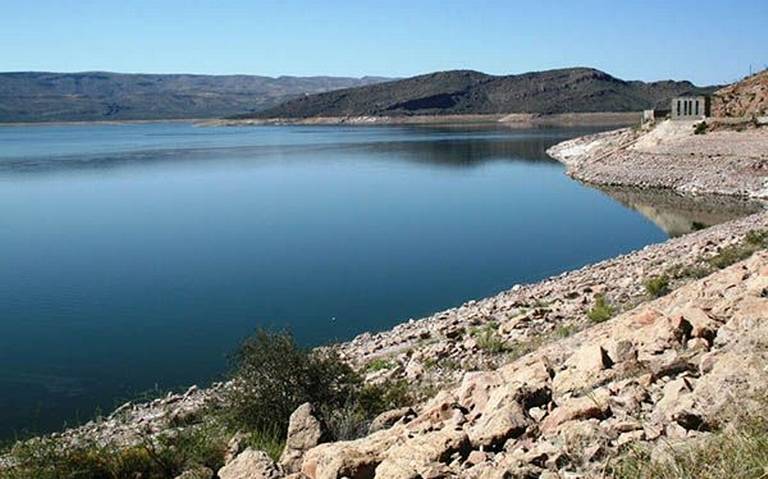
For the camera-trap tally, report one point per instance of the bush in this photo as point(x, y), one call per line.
point(352, 420)
point(700, 128)
point(377, 364)
point(153, 458)
point(601, 310)
point(657, 286)
point(564, 330)
point(273, 377)
point(489, 340)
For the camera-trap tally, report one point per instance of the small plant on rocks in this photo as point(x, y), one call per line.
point(489, 340)
point(601, 310)
point(657, 286)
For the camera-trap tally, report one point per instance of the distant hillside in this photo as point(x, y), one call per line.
point(40, 96)
point(471, 92)
point(748, 97)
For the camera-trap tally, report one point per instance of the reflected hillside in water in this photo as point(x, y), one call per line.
point(263, 146)
point(678, 215)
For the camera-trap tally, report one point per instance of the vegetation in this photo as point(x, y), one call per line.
point(657, 286)
point(467, 92)
point(564, 330)
point(754, 241)
point(741, 452)
point(162, 457)
point(700, 128)
point(489, 340)
point(377, 364)
point(601, 310)
point(273, 376)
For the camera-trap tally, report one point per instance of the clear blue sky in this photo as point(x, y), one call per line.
point(706, 41)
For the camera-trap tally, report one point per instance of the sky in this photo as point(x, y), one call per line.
point(705, 41)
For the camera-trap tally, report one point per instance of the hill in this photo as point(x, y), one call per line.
point(470, 92)
point(89, 96)
point(748, 97)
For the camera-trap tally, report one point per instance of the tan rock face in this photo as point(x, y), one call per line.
point(305, 431)
point(745, 98)
point(593, 405)
point(664, 372)
point(250, 464)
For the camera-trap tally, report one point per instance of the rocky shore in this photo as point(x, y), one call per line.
point(532, 382)
point(438, 352)
point(515, 120)
point(671, 155)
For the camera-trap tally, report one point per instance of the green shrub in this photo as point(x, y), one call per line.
point(564, 330)
point(601, 310)
point(489, 340)
point(351, 421)
point(700, 128)
point(657, 286)
point(271, 442)
point(753, 241)
point(757, 238)
point(377, 364)
point(730, 255)
point(153, 458)
point(273, 376)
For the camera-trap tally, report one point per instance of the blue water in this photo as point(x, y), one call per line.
point(138, 256)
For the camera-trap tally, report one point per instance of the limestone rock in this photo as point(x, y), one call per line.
point(594, 405)
point(387, 419)
point(250, 464)
point(305, 431)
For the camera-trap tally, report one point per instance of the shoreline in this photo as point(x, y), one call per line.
point(538, 311)
point(521, 120)
point(441, 351)
point(670, 155)
point(13, 124)
point(511, 119)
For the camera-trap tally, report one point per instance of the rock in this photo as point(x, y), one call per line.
point(196, 473)
point(503, 417)
point(414, 369)
point(628, 437)
point(250, 464)
point(235, 446)
point(582, 371)
point(595, 405)
point(477, 457)
point(355, 459)
point(703, 326)
point(387, 419)
point(305, 431)
point(411, 459)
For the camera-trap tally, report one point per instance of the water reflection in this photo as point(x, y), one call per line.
point(677, 214)
point(441, 147)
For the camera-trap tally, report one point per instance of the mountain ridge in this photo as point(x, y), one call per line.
point(35, 96)
point(565, 90)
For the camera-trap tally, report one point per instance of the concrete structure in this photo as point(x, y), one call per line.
point(648, 116)
point(690, 107)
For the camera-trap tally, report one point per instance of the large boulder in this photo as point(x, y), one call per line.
point(305, 431)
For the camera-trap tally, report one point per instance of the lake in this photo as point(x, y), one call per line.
point(136, 257)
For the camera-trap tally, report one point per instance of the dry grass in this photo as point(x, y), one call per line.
point(740, 451)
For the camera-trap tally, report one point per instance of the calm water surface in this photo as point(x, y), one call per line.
point(137, 256)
